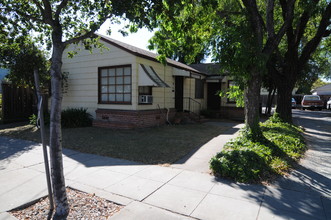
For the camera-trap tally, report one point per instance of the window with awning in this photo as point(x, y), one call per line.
point(148, 77)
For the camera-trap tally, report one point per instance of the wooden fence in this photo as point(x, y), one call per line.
point(18, 103)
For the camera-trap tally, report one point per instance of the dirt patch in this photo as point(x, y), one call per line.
point(82, 206)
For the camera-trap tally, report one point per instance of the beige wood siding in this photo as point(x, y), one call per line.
point(189, 92)
point(162, 97)
point(83, 76)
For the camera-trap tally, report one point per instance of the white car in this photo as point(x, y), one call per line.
point(328, 104)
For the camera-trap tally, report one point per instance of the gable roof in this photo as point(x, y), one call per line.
point(325, 87)
point(322, 90)
point(146, 54)
point(210, 69)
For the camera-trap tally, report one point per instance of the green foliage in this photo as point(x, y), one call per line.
point(318, 83)
point(236, 93)
point(240, 165)
point(76, 117)
point(275, 118)
point(21, 56)
point(183, 30)
point(71, 118)
point(33, 119)
point(245, 160)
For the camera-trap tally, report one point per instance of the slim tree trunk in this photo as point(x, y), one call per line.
point(59, 190)
point(271, 96)
point(252, 106)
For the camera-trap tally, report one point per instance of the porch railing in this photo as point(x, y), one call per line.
point(192, 105)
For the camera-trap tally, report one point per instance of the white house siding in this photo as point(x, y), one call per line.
point(162, 97)
point(189, 92)
point(83, 77)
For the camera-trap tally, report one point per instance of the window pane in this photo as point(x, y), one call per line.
point(111, 89)
point(119, 89)
point(104, 72)
point(111, 97)
point(119, 72)
point(119, 97)
point(104, 89)
point(104, 81)
point(127, 98)
point(112, 72)
point(127, 80)
point(112, 80)
point(127, 71)
point(119, 80)
point(104, 97)
point(127, 88)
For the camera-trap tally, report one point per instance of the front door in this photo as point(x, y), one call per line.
point(213, 99)
point(179, 92)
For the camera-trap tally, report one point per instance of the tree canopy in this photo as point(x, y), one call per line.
point(21, 57)
point(59, 23)
point(240, 35)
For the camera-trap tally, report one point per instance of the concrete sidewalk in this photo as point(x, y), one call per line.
point(153, 192)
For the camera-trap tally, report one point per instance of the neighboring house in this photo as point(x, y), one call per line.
point(127, 87)
point(216, 82)
point(324, 92)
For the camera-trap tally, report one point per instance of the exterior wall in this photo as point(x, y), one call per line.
point(83, 77)
point(189, 92)
point(234, 113)
point(82, 88)
point(224, 88)
point(162, 97)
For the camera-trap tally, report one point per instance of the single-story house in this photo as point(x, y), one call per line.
point(123, 86)
point(324, 92)
point(215, 82)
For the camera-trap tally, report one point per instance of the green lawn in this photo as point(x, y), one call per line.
point(159, 145)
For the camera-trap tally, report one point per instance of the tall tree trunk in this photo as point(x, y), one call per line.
point(252, 105)
point(284, 104)
point(59, 190)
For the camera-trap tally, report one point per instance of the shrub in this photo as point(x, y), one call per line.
point(76, 117)
point(245, 160)
point(70, 118)
point(240, 165)
point(33, 119)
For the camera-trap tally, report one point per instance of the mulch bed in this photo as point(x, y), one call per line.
point(82, 206)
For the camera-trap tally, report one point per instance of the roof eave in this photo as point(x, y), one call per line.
point(147, 57)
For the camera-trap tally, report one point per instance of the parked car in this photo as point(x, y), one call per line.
point(312, 102)
point(328, 104)
point(294, 103)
